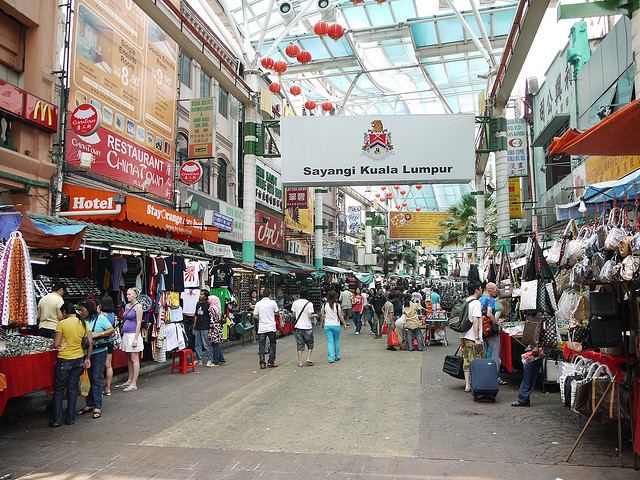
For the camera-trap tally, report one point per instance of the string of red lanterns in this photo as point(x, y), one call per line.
point(336, 31)
point(321, 28)
point(327, 106)
point(267, 62)
point(292, 50)
point(274, 87)
point(310, 105)
point(304, 56)
point(295, 90)
point(280, 66)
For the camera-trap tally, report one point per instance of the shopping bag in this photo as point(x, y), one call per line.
point(385, 328)
point(393, 340)
point(528, 295)
point(84, 384)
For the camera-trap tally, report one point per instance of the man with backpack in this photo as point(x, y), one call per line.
point(471, 339)
point(302, 310)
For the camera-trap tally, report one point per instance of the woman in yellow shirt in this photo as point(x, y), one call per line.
point(412, 324)
point(71, 361)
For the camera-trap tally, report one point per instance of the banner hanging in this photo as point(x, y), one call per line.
point(417, 225)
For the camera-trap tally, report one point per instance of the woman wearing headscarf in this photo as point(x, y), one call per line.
point(215, 332)
point(71, 361)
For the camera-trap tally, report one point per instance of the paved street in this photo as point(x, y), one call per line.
point(374, 415)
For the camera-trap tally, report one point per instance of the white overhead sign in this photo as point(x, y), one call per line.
point(217, 249)
point(368, 150)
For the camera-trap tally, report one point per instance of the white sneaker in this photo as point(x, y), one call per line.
point(357, 333)
point(211, 364)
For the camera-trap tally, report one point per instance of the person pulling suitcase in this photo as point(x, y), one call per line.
point(471, 340)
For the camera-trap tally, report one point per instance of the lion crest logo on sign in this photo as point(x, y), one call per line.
point(377, 142)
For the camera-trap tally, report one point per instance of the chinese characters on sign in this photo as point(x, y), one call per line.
point(515, 198)
point(297, 197)
point(517, 147)
point(201, 128)
point(354, 219)
point(554, 96)
point(268, 187)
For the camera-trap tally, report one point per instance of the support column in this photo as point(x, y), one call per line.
point(502, 177)
point(480, 219)
point(318, 230)
point(368, 230)
point(635, 46)
point(250, 147)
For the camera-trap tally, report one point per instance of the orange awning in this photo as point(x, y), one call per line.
point(558, 144)
point(615, 135)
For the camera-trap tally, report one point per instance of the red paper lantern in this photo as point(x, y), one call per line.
point(389, 195)
point(280, 66)
point(274, 87)
point(336, 31)
point(292, 50)
point(398, 207)
point(377, 195)
point(417, 209)
point(310, 105)
point(304, 57)
point(267, 62)
point(402, 192)
point(295, 90)
point(321, 28)
point(397, 187)
point(404, 204)
point(418, 187)
point(383, 188)
point(327, 106)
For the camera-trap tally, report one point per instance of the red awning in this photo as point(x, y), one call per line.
point(560, 143)
point(615, 135)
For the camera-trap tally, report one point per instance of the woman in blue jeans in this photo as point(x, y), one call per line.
point(331, 317)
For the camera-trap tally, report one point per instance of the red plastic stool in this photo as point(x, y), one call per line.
point(186, 361)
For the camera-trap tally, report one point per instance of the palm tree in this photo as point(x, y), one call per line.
point(460, 227)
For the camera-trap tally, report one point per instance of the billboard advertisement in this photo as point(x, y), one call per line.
point(417, 226)
point(126, 67)
point(269, 231)
point(377, 149)
point(517, 147)
point(201, 127)
point(301, 219)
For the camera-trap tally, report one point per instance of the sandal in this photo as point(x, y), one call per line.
point(97, 413)
point(107, 393)
point(502, 382)
point(85, 410)
point(122, 385)
point(300, 365)
point(130, 389)
point(310, 363)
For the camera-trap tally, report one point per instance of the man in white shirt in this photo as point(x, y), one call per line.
point(346, 303)
point(302, 310)
point(265, 313)
point(49, 313)
point(472, 346)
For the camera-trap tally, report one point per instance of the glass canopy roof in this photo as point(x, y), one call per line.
point(396, 57)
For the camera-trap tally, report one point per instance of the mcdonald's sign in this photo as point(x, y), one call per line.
point(43, 114)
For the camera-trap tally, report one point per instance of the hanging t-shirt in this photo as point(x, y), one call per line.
point(221, 275)
point(189, 301)
point(174, 279)
point(118, 268)
point(192, 274)
point(224, 295)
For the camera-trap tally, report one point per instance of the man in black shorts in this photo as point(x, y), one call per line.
point(302, 310)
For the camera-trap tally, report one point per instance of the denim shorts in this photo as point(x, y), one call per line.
point(304, 337)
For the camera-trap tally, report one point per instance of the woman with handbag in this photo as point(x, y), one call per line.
point(107, 308)
point(71, 361)
point(132, 343)
point(331, 319)
point(101, 331)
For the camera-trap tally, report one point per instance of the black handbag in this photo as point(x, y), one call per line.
point(606, 332)
point(603, 304)
point(453, 365)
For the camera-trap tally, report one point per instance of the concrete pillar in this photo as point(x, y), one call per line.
point(635, 47)
point(480, 218)
point(368, 230)
point(252, 119)
point(318, 230)
point(502, 178)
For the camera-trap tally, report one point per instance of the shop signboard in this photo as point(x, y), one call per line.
point(331, 250)
point(604, 168)
point(85, 120)
point(268, 187)
point(201, 127)
point(28, 107)
point(218, 220)
point(554, 96)
point(83, 199)
point(191, 172)
point(217, 249)
point(354, 219)
point(201, 202)
point(515, 198)
point(269, 231)
point(348, 252)
point(368, 150)
point(417, 226)
point(297, 197)
point(297, 248)
point(517, 147)
point(125, 66)
point(301, 219)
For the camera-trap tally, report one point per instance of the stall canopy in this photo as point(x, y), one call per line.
point(617, 134)
point(39, 234)
point(597, 194)
point(337, 270)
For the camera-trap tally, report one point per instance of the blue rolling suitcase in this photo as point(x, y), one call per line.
point(484, 379)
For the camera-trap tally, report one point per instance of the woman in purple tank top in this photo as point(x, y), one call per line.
point(132, 342)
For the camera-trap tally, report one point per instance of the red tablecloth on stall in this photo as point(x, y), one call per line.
point(611, 361)
point(27, 374)
point(506, 357)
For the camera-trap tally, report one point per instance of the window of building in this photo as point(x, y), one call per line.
point(13, 43)
point(204, 185)
point(185, 70)
point(223, 103)
point(183, 149)
point(222, 180)
point(205, 85)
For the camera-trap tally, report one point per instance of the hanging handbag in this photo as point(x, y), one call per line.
point(608, 272)
point(629, 268)
point(616, 233)
point(576, 248)
point(563, 279)
point(453, 365)
point(604, 304)
point(582, 310)
point(602, 384)
point(528, 295)
point(567, 303)
point(634, 242)
point(606, 332)
point(551, 296)
point(532, 329)
point(580, 273)
point(581, 379)
point(549, 335)
point(581, 367)
point(597, 262)
point(543, 303)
